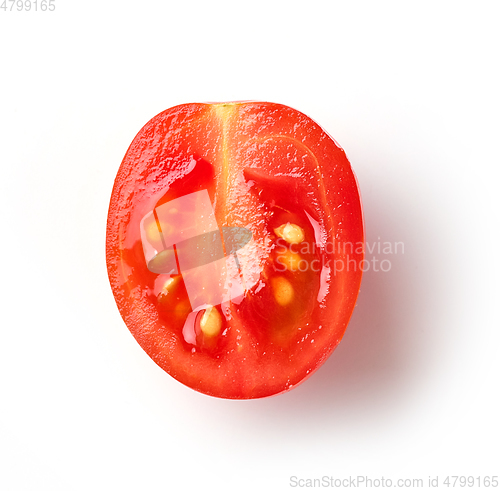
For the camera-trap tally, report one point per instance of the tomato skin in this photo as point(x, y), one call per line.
point(279, 164)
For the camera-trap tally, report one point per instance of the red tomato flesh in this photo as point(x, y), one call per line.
point(235, 245)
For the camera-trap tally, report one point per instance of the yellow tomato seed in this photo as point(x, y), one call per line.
point(152, 232)
point(290, 232)
point(170, 284)
point(211, 322)
point(289, 260)
point(283, 290)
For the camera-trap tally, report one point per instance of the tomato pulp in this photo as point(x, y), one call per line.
point(234, 245)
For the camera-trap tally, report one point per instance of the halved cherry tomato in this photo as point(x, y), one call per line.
point(235, 245)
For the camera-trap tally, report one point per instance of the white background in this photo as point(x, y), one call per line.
point(409, 89)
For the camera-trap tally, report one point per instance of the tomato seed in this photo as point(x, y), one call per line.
point(289, 260)
point(283, 290)
point(211, 322)
point(290, 232)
